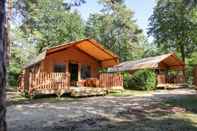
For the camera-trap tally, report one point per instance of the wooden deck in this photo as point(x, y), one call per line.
point(171, 86)
point(170, 81)
point(59, 83)
point(87, 91)
point(91, 91)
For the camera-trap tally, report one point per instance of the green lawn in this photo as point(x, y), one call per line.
point(131, 93)
point(173, 114)
point(188, 104)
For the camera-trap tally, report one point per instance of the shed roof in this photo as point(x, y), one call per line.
point(166, 61)
point(89, 46)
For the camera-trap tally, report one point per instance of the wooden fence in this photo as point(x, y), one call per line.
point(54, 83)
point(111, 80)
point(45, 83)
point(161, 79)
point(171, 79)
point(49, 82)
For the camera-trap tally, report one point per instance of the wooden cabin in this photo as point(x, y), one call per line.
point(168, 68)
point(69, 66)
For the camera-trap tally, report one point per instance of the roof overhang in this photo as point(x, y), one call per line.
point(92, 48)
point(167, 61)
point(89, 46)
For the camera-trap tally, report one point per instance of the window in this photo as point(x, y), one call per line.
point(85, 71)
point(59, 68)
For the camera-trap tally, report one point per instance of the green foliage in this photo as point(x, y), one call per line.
point(21, 52)
point(42, 24)
point(114, 27)
point(190, 3)
point(48, 23)
point(191, 63)
point(174, 27)
point(141, 80)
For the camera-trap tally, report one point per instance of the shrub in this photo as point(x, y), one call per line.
point(141, 80)
point(13, 79)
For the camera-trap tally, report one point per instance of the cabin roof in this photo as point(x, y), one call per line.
point(166, 61)
point(89, 46)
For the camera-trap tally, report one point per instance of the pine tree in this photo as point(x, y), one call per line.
point(115, 28)
point(47, 23)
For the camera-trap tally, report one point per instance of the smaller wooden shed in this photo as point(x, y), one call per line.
point(163, 65)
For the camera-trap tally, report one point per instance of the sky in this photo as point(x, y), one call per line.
point(142, 10)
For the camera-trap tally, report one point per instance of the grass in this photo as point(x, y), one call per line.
point(131, 93)
point(184, 109)
point(189, 103)
point(176, 114)
point(14, 98)
point(179, 113)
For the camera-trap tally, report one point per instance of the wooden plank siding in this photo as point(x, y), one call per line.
point(45, 83)
point(111, 80)
point(49, 83)
point(59, 83)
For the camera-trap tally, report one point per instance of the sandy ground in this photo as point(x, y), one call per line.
point(108, 113)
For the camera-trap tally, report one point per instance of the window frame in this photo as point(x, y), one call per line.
point(87, 73)
point(62, 68)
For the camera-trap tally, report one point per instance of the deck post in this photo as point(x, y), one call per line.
point(79, 71)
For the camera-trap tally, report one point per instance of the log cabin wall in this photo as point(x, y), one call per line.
point(71, 55)
point(161, 79)
point(111, 80)
point(160, 76)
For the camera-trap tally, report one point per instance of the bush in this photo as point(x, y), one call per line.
point(13, 79)
point(141, 80)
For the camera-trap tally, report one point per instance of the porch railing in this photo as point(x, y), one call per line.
point(110, 80)
point(171, 79)
point(44, 82)
point(178, 79)
point(48, 81)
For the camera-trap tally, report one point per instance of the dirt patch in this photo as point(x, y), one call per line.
point(130, 113)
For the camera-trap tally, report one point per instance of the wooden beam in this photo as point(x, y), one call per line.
point(57, 50)
point(110, 59)
point(64, 45)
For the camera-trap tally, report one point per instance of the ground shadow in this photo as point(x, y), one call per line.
point(188, 102)
point(136, 114)
point(133, 120)
point(39, 99)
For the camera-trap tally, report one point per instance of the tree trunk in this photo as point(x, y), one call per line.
point(183, 58)
point(182, 52)
point(3, 49)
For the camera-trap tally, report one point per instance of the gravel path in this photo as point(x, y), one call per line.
point(92, 113)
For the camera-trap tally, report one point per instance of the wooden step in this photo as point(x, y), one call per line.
point(87, 91)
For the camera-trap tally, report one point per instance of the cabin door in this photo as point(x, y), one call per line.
point(73, 70)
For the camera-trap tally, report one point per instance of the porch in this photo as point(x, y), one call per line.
point(170, 79)
point(59, 83)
